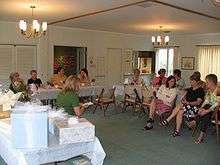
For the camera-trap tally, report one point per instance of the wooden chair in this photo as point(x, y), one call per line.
point(130, 98)
point(104, 101)
point(141, 101)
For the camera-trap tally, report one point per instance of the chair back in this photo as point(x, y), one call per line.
point(100, 96)
point(110, 93)
point(133, 91)
point(138, 98)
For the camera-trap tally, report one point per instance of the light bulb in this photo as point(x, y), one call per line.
point(36, 25)
point(167, 39)
point(23, 25)
point(44, 26)
point(153, 39)
point(159, 39)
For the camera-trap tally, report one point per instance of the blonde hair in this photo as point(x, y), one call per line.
point(71, 84)
point(12, 76)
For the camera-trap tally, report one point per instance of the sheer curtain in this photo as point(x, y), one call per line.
point(209, 60)
point(165, 59)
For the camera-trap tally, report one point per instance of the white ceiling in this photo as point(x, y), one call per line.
point(132, 20)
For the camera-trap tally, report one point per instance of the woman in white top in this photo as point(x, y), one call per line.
point(164, 100)
point(136, 79)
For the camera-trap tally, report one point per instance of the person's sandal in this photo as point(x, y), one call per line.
point(149, 126)
point(199, 141)
point(164, 123)
point(175, 133)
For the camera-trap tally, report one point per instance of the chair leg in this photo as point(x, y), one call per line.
point(124, 107)
point(95, 108)
point(105, 108)
point(133, 108)
point(217, 128)
point(217, 133)
point(194, 130)
point(115, 106)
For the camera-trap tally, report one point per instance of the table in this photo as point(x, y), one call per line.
point(54, 153)
point(51, 94)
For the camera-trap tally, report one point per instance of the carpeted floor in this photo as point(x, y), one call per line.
point(126, 143)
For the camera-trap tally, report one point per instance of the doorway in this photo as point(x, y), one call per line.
point(114, 67)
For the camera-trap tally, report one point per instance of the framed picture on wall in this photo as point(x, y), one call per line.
point(188, 63)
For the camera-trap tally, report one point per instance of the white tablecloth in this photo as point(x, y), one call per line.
point(55, 152)
point(46, 94)
point(50, 94)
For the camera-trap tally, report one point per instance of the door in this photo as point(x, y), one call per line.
point(114, 67)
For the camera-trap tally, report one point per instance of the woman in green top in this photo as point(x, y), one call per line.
point(209, 105)
point(68, 98)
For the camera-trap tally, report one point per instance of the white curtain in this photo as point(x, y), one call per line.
point(209, 60)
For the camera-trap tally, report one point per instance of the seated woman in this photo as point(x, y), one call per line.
point(159, 80)
point(189, 106)
point(17, 84)
point(136, 79)
point(180, 83)
point(59, 78)
point(164, 100)
point(84, 77)
point(201, 83)
point(34, 79)
point(68, 98)
point(209, 105)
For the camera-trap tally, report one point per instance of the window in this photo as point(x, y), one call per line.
point(209, 60)
point(164, 59)
point(16, 58)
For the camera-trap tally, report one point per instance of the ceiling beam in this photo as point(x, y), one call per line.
point(100, 11)
point(134, 4)
point(186, 10)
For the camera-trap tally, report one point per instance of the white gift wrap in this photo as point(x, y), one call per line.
point(83, 131)
point(51, 122)
point(7, 100)
point(29, 130)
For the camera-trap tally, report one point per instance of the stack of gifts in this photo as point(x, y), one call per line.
point(29, 126)
point(31, 123)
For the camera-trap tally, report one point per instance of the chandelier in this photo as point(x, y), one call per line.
point(34, 30)
point(162, 39)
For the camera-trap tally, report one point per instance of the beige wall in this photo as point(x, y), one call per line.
point(188, 47)
point(97, 43)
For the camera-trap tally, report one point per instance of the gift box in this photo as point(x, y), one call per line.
point(29, 129)
point(83, 131)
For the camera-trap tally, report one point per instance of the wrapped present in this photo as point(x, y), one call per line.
point(83, 131)
point(8, 100)
point(29, 124)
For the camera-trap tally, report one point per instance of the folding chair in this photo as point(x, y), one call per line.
point(103, 101)
point(130, 97)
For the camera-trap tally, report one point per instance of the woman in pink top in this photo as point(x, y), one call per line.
point(159, 80)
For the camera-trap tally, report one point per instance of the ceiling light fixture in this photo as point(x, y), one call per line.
point(34, 30)
point(162, 39)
